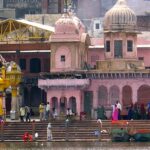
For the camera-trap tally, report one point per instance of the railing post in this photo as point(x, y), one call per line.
point(66, 129)
point(33, 130)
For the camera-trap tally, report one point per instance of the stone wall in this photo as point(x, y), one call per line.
point(8, 13)
point(48, 19)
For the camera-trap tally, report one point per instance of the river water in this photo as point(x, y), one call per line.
point(74, 146)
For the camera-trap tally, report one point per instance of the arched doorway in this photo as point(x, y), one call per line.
point(54, 103)
point(102, 96)
point(72, 104)
point(63, 105)
point(114, 94)
point(144, 94)
point(126, 95)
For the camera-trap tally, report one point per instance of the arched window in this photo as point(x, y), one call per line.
point(72, 104)
point(35, 65)
point(55, 102)
point(114, 94)
point(102, 96)
point(144, 94)
point(126, 95)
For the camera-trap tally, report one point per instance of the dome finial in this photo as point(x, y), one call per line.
point(120, 2)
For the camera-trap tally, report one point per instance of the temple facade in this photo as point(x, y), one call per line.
point(116, 74)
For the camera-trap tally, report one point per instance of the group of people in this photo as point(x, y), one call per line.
point(138, 111)
point(134, 111)
point(45, 112)
point(25, 113)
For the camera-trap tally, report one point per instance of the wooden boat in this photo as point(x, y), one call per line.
point(119, 132)
point(120, 135)
point(141, 135)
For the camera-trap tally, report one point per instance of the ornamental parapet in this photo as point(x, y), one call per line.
point(50, 83)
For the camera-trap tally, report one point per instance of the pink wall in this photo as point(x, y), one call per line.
point(145, 53)
point(99, 53)
point(66, 93)
point(65, 52)
point(95, 54)
point(135, 84)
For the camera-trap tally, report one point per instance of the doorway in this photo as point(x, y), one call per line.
point(88, 103)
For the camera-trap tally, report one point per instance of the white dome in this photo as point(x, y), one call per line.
point(120, 17)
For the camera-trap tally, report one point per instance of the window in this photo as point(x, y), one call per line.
point(35, 65)
point(107, 46)
point(22, 64)
point(147, 67)
point(97, 26)
point(130, 46)
point(118, 49)
point(62, 58)
point(141, 58)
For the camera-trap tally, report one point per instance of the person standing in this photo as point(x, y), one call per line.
point(54, 113)
point(115, 113)
point(119, 109)
point(22, 113)
point(47, 111)
point(28, 113)
point(49, 132)
point(41, 111)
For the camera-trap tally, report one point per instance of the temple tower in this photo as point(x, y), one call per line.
point(120, 39)
point(69, 44)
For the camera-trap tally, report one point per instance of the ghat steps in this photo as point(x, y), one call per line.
point(76, 130)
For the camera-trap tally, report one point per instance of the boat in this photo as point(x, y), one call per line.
point(120, 135)
point(141, 135)
point(119, 132)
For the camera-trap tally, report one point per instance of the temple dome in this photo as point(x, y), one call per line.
point(69, 23)
point(120, 17)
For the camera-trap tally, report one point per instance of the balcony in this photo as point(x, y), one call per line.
point(63, 83)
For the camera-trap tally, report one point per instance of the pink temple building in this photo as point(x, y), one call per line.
point(87, 72)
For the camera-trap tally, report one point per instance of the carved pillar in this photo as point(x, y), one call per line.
point(134, 95)
point(78, 101)
point(120, 95)
point(95, 99)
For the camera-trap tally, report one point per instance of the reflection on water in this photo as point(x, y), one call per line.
point(73, 146)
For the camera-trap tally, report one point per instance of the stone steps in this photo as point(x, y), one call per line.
point(77, 130)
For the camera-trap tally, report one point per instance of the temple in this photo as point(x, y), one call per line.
point(117, 75)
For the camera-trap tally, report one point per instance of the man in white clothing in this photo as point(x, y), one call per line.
point(47, 111)
point(119, 109)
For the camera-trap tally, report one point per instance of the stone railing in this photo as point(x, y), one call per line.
point(63, 83)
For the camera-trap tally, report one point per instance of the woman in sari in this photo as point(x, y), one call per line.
point(115, 113)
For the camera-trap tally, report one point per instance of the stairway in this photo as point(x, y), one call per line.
point(76, 130)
